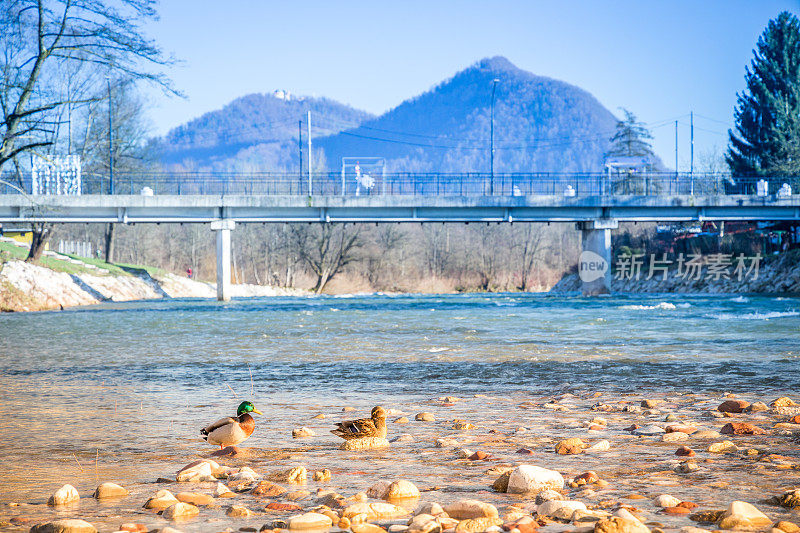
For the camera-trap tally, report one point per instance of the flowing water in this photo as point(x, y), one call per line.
point(118, 391)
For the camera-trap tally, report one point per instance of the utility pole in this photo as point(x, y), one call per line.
point(691, 134)
point(110, 145)
point(309, 152)
point(300, 144)
point(676, 148)
point(491, 129)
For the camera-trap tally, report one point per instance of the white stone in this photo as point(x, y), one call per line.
point(599, 446)
point(665, 500)
point(375, 511)
point(65, 495)
point(468, 508)
point(303, 432)
point(197, 471)
point(310, 521)
point(245, 474)
point(675, 436)
point(69, 525)
point(401, 489)
point(180, 510)
point(560, 509)
point(531, 479)
point(161, 500)
point(447, 442)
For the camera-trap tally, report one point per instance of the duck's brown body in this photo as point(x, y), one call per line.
point(375, 426)
point(229, 431)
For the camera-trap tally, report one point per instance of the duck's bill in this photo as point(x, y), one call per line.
point(256, 411)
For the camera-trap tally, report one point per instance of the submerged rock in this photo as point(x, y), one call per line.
point(110, 490)
point(733, 406)
point(310, 521)
point(68, 525)
point(161, 500)
point(180, 511)
point(365, 443)
point(532, 479)
point(468, 508)
point(743, 515)
point(65, 495)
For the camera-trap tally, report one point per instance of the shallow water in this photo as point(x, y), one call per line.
point(119, 391)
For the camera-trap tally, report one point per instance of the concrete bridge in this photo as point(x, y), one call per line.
point(595, 203)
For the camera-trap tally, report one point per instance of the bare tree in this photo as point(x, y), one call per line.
point(41, 38)
point(326, 249)
point(527, 246)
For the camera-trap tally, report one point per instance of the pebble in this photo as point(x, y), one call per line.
point(743, 515)
point(687, 467)
point(783, 401)
point(401, 420)
point(787, 527)
point(283, 507)
point(374, 511)
point(302, 432)
point(756, 407)
point(297, 475)
point(424, 417)
point(180, 511)
point(367, 528)
point(570, 447)
point(741, 428)
point(268, 489)
point(675, 436)
point(68, 525)
point(447, 442)
point(722, 447)
point(532, 479)
point(195, 498)
point(133, 527)
point(322, 475)
point(198, 471)
point(403, 437)
point(310, 521)
point(401, 489)
point(161, 500)
point(665, 500)
point(681, 428)
point(238, 511)
point(648, 430)
point(650, 404)
point(620, 525)
point(468, 508)
point(478, 525)
point(683, 451)
point(109, 490)
point(733, 406)
point(65, 495)
point(599, 446)
point(319, 416)
point(548, 495)
point(560, 509)
point(706, 434)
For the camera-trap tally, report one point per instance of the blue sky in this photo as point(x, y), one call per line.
point(660, 59)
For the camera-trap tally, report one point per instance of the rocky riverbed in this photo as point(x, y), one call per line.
point(595, 462)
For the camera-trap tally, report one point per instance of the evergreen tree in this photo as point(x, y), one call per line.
point(631, 138)
point(767, 138)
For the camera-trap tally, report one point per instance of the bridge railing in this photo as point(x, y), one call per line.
point(414, 184)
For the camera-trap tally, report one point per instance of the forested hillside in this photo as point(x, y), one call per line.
point(541, 124)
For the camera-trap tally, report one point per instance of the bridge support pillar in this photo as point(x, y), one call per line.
point(223, 229)
point(594, 264)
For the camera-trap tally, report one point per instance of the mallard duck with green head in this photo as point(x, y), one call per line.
point(375, 426)
point(230, 431)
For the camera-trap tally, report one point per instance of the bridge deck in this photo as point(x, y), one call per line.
point(19, 208)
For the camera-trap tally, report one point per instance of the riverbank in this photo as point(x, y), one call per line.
point(776, 274)
point(595, 462)
point(58, 281)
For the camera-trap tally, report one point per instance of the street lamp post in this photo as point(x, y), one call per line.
point(491, 151)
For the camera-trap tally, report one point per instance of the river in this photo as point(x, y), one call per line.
point(119, 390)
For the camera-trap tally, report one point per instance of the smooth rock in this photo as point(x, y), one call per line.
point(302, 432)
point(238, 511)
point(783, 401)
point(297, 475)
point(743, 515)
point(109, 490)
point(366, 528)
point(313, 521)
point(447, 442)
point(243, 476)
point(401, 489)
point(133, 527)
point(374, 511)
point(706, 434)
point(180, 511)
point(468, 508)
point(365, 443)
point(478, 525)
point(560, 509)
point(650, 404)
point(649, 430)
point(756, 407)
point(401, 420)
point(532, 479)
point(789, 499)
point(65, 495)
point(403, 437)
point(322, 475)
point(196, 471)
point(378, 489)
point(665, 500)
point(675, 436)
point(687, 467)
point(424, 417)
point(683, 451)
point(787, 527)
point(570, 446)
point(620, 525)
point(161, 500)
point(722, 447)
point(268, 489)
point(599, 446)
point(195, 498)
point(741, 428)
point(733, 406)
point(548, 495)
point(68, 525)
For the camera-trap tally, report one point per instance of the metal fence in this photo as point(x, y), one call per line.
point(415, 184)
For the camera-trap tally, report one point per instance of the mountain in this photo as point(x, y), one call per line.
point(254, 132)
point(540, 125)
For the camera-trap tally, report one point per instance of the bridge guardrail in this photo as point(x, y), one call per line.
point(415, 184)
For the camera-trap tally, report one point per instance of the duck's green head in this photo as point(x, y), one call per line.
point(247, 407)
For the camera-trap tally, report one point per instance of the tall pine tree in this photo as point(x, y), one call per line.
point(767, 138)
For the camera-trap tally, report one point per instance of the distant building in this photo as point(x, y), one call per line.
point(627, 164)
